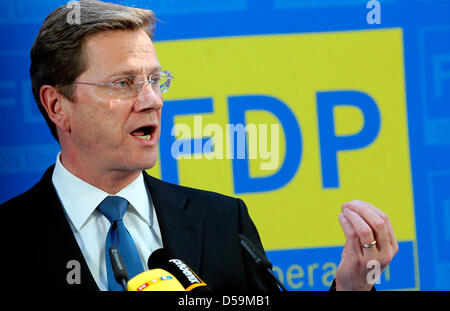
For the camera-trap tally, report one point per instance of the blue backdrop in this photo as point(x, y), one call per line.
point(27, 148)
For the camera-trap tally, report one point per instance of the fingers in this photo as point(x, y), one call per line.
point(352, 239)
point(362, 228)
point(378, 220)
point(386, 220)
point(346, 227)
point(371, 222)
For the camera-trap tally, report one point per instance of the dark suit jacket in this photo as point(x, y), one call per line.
point(197, 226)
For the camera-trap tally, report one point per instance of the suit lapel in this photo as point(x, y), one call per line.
point(180, 223)
point(59, 252)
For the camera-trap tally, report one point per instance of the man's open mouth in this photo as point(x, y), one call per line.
point(144, 132)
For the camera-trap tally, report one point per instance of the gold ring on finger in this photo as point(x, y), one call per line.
point(369, 245)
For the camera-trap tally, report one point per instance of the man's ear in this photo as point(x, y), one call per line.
point(52, 101)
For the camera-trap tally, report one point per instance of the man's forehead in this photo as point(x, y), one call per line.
point(122, 52)
point(119, 43)
point(117, 34)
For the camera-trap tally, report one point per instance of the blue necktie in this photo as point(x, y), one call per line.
point(113, 208)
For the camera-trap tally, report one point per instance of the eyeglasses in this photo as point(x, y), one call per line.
point(129, 86)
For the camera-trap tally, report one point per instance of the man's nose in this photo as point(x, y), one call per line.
point(148, 98)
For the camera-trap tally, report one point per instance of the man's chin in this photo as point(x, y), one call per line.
point(148, 163)
point(137, 162)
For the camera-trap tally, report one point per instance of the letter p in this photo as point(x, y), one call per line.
point(330, 143)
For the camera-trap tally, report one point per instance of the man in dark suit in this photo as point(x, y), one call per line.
point(99, 86)
point(194, 224)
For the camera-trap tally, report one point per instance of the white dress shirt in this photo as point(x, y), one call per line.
point(80, 201)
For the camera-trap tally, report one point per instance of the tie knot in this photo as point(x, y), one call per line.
point(113, 208)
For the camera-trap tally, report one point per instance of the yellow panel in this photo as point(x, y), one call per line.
point(293, 68)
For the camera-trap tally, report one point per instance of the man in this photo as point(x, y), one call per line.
point(99, 86)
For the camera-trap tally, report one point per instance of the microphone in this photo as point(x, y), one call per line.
point(260, 260)
point(164, 259)
point(154, 280)
point(119, 270)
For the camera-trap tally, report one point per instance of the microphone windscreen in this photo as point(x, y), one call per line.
point(154, 280)
point(164, 259)
point(159, 258)
point(251, 249)
point(119, 270)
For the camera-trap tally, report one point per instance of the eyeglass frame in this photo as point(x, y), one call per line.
point(141, 83)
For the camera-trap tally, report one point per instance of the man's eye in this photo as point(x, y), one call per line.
point(122, 84)
point(155, 79)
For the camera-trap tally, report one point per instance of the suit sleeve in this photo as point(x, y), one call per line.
point(257, 280)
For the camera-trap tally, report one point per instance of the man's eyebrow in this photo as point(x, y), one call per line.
point(135, 71)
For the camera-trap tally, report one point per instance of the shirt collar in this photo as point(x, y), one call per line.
point(80, 199)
